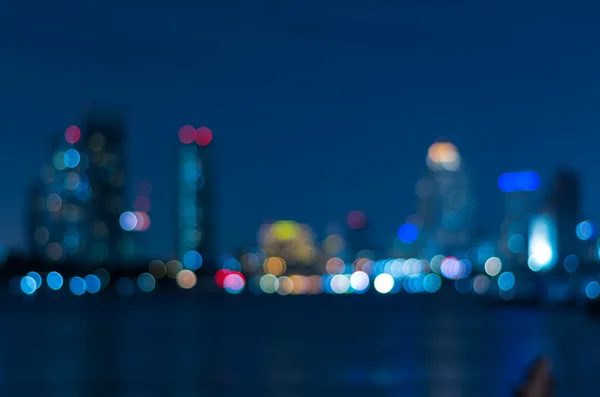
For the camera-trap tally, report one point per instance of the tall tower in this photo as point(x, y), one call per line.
point(196, 240)
point(564, 204)
point(519, 192)
point(83, 193)
point(103, 138)
point(446, 205)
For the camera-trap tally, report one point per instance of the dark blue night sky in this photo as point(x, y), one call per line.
point(317, 108)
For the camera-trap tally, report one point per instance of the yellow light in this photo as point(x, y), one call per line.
point(285, 230)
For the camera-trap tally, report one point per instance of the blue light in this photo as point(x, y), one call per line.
point(54, 280)
point(506, 281)
point(72, 158)
point(571, 263)
point(192, 260)
point(432, 283)
point(408, 233)
point(585, 230)
point(128, 221)
point(526, 181)
point(592, 289)
point(28, 285)
point(146, 282)
point(37, 278)
point(77, 285)
point(92, 284)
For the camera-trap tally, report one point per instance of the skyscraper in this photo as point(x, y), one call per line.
point(103, 137)
point(196, 239)
point(83, 192)
point(446, 205)
point(565, 207)
point(519, 189)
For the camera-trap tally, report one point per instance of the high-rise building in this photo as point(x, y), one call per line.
point(196, 237)
point(83, 193)
point(446, 203)
point(103, 137)
point(520, 197)
point(565, 207)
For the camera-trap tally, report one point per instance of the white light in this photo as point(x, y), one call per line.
point(541, 242)
point(493, 266)
point(340, 284)
point(359, 281)
point(384, 283)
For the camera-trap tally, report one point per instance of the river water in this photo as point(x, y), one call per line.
point(180, 345)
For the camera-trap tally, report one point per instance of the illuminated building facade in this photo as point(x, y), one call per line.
point(83, 193)
point(196, 239)
point(294, 246)
point(519, 189)
point(446, 205)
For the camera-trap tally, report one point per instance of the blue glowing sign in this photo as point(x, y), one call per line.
point(526, 181)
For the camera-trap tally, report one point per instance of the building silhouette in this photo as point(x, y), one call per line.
point(520, 195)
point(446, 204)
point(564, 204)
point(76, 214)
point(196, 239)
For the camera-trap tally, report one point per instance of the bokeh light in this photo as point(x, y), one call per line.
point(234, 283)
point(92, 284)
point(592, 289)
point(408, 233)
point(356, 220)
point(72, 134)
point(481, 284)
point(493, 266)
point(383, 283)
point(157, 269)
point(192, 260)
point(571, 263)
point(204, 136)
point(187, 134)
point(187, 279)
point(71, 158)
point(359, 281)
point(506, 281)
point(28, 285)
point(146, 282)
point(77, 286)
point(585, 230)
point(526, 181)
point(275, 266)
point(128, 221)
point(37, 278)
point(54, 280)
point(432, 283)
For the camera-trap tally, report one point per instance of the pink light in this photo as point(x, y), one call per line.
point(72, 134)
point(356, 220)
point(187, 134)
point(203, 136)
point(143, 221)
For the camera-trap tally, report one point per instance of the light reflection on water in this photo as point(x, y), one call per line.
point(159, 345)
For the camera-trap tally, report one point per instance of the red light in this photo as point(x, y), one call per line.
point(143, 221)
point(203, 136)
point(220, 277)
point(142, 203)
point(72, 134)
point(356, 220)
point(187, 134)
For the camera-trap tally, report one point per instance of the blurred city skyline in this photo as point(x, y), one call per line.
point(302, 120)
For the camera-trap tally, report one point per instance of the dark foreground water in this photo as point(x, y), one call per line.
point(173, 345)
